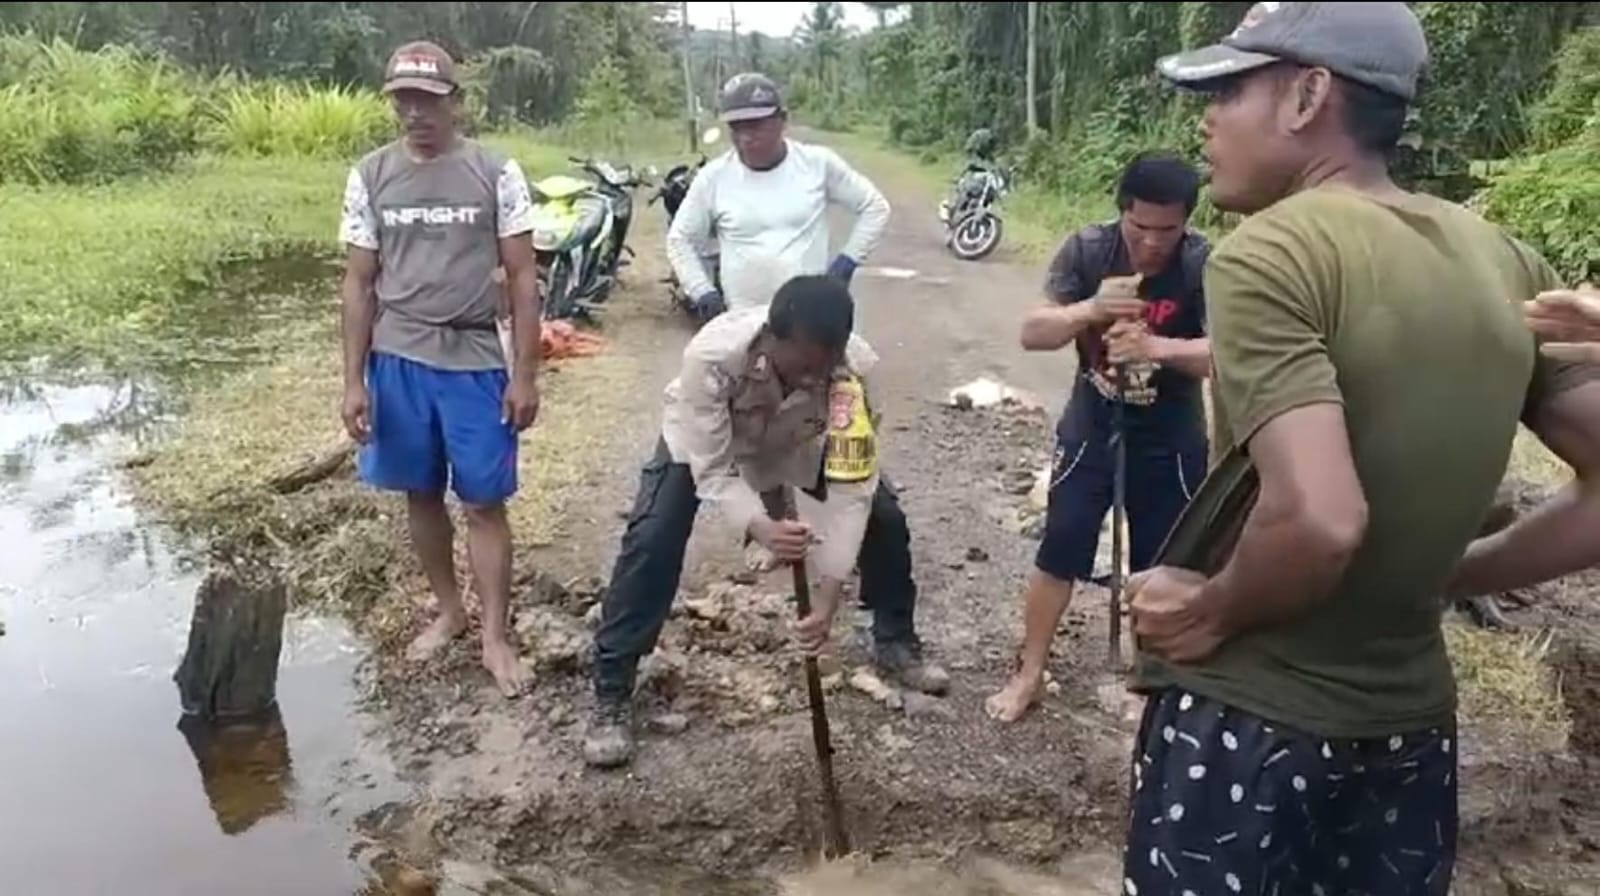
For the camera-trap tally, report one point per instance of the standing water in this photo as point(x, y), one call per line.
point(103, 791)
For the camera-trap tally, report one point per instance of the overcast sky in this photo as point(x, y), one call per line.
point(772, 19)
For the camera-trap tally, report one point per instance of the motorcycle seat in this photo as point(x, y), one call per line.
point(591, 214)
point(560, 186)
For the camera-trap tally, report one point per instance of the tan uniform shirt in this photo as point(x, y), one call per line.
point(727, 418)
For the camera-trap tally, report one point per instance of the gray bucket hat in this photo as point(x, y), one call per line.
point(1381, 45)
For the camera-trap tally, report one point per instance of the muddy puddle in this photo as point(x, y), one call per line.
point(104, 791)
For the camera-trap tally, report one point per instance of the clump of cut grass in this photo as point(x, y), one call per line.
point(1510, 693)
point(299, 121)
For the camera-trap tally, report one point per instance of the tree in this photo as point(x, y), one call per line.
point(1033, 69)
point(821, 37)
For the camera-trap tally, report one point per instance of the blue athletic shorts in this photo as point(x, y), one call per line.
point(432, 428)
point(1160, 482)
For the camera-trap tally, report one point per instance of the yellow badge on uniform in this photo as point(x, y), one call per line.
point(852, 441)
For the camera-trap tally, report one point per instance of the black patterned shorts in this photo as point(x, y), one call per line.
point(1225, 804)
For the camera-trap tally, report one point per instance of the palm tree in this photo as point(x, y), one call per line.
point(821, 39)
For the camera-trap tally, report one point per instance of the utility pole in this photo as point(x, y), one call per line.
point(1033, 69)
point(733, 34)
point(691, 126)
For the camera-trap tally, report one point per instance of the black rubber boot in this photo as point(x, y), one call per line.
point(609, 742)
point(903, 664)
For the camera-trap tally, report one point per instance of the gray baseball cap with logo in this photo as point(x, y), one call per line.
point(748, 97)
point(1380, 45)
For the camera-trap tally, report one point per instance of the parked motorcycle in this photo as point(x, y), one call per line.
point(580, 234)
point(674, 187)
point(971, 218)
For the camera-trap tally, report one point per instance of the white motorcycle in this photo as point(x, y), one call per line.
point(971, 221)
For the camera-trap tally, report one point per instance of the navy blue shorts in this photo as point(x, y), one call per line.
point(1227, 803)
point(432, 428)
point(1159, 485)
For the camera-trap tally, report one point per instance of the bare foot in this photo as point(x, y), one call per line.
point(1019, 695)
point(502, 661)
point(446, 628)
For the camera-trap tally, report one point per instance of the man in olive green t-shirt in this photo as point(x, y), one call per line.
point(1371, 367)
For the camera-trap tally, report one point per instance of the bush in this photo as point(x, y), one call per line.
point(1552, 201)
point(71, 116)
point(606, 110)
point(1574, 98)
point(75, 117)
point(299, 121)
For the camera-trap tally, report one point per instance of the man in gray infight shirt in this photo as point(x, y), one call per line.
point(429, 219)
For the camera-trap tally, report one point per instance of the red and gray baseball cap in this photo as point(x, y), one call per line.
point(748, 97)
point(1381, 45)
point(420, 65)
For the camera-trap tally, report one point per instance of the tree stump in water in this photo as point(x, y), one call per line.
point(245, 767)
point(230, 670)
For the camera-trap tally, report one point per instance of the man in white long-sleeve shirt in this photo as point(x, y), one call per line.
point(765, 203)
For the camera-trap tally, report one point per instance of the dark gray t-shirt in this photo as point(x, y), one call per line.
point(436, 227)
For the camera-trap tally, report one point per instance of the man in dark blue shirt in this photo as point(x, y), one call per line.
point(1126, 293)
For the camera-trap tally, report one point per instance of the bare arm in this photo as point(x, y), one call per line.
point(1191, 356)
point(358, 230)
point(1561, 536)
point(1072, 308)
point(1054, 327)
point(358, 310)
point(1276, 378)
point(1310, 507)
point(527, 306)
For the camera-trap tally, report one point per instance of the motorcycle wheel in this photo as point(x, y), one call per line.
point(976, 236)
point(558, 302)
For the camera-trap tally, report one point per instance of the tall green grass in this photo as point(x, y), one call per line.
point(70, 116)
point(298, 120)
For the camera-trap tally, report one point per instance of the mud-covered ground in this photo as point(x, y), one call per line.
point(722, 796)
